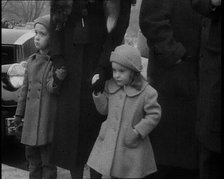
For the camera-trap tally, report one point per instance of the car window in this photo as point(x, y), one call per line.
point(29, 48)
point(8, 54)
point(19, 53)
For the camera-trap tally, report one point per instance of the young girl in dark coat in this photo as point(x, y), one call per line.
point(38, 102)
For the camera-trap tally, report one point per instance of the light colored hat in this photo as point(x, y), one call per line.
point(127, 56)
point(44, 20)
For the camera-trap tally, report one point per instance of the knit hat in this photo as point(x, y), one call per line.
point(44, 20)
point(127, 56)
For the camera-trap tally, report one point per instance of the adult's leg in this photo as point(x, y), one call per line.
point(34, 158)
point(89, 119)
point(162, 173)
point(77, 172)
point(210, 164)
point(65, 140)
point(94, 174)
point(49, 170)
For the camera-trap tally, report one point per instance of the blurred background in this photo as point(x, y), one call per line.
point(20, 14)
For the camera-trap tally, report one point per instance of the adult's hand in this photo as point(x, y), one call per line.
point(95, 78)
point(216, 2)
point(61, 73)
point(17, 120)
point(178, 61)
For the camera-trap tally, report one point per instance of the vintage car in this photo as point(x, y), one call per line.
point(17, 46)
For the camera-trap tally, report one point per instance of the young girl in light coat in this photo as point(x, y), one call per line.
point(123, 148)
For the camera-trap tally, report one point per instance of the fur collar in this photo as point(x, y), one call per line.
point(48, 56)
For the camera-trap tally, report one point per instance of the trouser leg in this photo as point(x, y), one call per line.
point(49, 170)
point(210, 164)
point(94, 174)
point(77, 172)
point(34, 158)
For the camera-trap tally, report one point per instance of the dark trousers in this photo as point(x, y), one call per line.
point(95, 175)
point(210, 164)
point(77, 172)
point(170, 172)
point(39, 165)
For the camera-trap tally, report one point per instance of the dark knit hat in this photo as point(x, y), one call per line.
point(127, 56)
point(44, 20)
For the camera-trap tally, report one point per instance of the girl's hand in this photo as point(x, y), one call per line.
point(98, 81)
point(136, 132)
point(17, 120)
point(95, 78)
point(61, 73)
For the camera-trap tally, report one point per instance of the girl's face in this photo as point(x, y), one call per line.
point(41, 39)
point(121, 74)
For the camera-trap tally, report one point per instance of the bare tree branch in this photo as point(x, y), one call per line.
point(4, 4)
point(27, 10)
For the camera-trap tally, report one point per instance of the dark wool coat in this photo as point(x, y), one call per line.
point(172, 30)
point(38, 99)
point(118, 151)
point(87, 49)
point(209, 106)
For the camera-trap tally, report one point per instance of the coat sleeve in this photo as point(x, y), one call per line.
point(101, 103)
point(114, 38)
point(53, 83)
point(155, 24)
point(21, 105)
point(152, 114)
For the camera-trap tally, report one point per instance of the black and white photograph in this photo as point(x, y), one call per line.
point(111, 89)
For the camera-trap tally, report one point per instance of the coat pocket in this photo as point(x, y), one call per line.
point(103, 130)
point(131, 139)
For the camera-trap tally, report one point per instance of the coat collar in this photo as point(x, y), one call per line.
point(38, 55)
point(135, 89)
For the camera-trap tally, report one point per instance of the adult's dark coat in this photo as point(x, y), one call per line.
point(86, 45)
point(209, 106)
point(172, 30)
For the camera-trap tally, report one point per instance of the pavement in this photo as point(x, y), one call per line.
point(9, 172)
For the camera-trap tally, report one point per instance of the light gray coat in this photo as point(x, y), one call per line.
point(38, 100)
point(118, 150)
